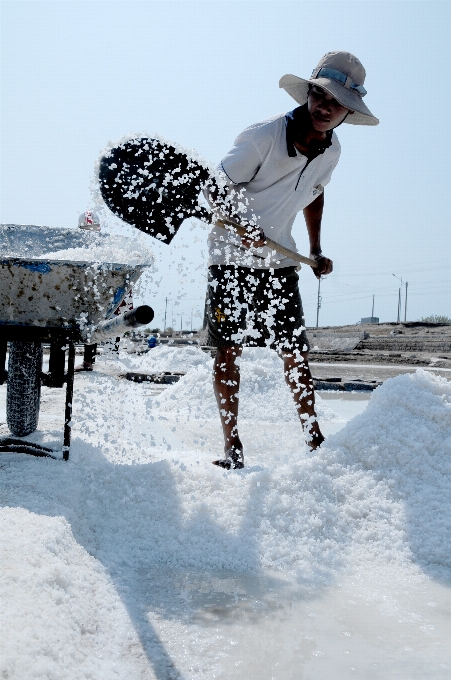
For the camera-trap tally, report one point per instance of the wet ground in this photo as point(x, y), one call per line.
point(367, 371)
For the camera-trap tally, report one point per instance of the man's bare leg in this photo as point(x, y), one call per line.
point(226, 382)
point(299, 379)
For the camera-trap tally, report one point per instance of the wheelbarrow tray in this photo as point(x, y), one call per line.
point(58, 293)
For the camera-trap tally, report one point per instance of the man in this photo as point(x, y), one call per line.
point(275, 169)
point(89, 220)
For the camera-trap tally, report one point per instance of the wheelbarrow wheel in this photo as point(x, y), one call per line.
point(23, 393)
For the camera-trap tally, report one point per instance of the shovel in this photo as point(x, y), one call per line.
point(154, 186)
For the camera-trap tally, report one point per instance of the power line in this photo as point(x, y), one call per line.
point(385, 270)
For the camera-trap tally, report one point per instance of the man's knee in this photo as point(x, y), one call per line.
point(226, 356)
point(296, 358)
point(229, 352)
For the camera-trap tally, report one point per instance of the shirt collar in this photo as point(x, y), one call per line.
point(297, 119)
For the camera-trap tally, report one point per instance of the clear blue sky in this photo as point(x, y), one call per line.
point(77, 74)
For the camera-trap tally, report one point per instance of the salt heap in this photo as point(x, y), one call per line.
point(159, 359)
point(378, 491)
point(107, 248)
point(403, 441)
point(75, 245)
point(264, 395)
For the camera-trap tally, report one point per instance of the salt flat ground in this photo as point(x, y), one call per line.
point(139, 559)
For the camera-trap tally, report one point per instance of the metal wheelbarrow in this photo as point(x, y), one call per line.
point(61, 302)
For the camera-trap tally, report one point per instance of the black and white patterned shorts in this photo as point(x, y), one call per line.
point(255, 307)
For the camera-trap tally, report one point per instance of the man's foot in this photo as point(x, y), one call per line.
point(233, 460)
point(314, 440)
point(85, 366)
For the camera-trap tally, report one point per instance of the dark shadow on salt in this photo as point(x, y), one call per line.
point(427, 509)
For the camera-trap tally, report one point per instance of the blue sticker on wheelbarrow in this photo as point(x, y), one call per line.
point(41, 267)
point(118, 295)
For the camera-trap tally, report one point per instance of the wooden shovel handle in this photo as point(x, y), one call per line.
point(244, 231)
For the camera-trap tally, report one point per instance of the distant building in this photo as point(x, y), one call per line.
point(370, 319)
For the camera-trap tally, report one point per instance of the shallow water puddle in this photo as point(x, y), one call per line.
point(346, 406)
point(372, 626)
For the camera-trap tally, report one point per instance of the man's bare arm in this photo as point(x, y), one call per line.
point(313, 214)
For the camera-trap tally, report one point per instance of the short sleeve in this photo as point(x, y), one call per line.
point(243, 161)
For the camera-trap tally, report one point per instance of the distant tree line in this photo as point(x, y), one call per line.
point(436, 318)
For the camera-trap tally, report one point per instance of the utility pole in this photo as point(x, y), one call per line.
point(399, 298)
point(372, 311)
point(318, 305)
point(181, 322)
point(165, 312)
point(405, 304)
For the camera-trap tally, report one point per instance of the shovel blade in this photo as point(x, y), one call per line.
point(152, 186)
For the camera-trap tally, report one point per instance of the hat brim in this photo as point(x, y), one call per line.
point(298, 89)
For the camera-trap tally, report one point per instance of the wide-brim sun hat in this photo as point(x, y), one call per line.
point(342, 75)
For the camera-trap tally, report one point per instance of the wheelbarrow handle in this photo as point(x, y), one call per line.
point(111, 328)
point(244, 231)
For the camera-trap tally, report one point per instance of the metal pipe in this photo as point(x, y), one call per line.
point(69, 400)
point(405, 306)
point(3, 351)
point(111, 328)
point(318, 305)
point(399, 298)
point(165, 312)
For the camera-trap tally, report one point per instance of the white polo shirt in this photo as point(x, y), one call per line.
point(276, 186)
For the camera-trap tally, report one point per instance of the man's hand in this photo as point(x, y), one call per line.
point(325, 266)
point(256, 238)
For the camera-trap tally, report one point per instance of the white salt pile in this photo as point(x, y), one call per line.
point(372, 508)
point(373, 487)
point(108, 254)
point(264, 395)
point(64, 619)
point(111, 248)
point(380, 489)
point(403, 441)
point(159, 359)
point(52, 243)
